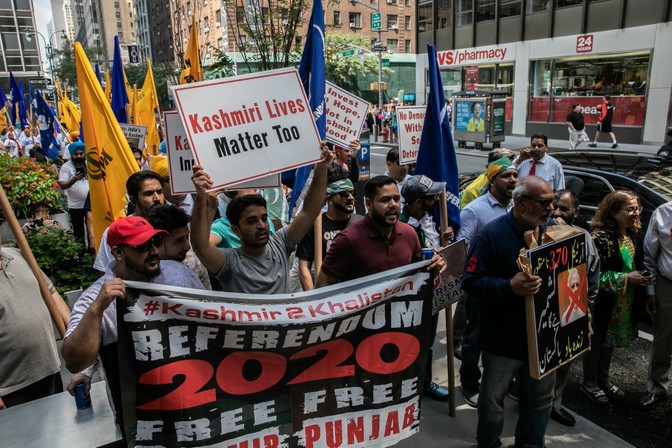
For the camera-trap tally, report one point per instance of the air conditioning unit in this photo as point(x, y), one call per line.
point(395, 27)
point(353, 25)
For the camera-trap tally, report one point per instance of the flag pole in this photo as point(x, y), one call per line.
point(59, 314)
point(318, 244)
point(443, 210)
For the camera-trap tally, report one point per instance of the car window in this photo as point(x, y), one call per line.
point(590, 189)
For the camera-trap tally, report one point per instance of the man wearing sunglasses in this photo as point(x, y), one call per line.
point(493, 277)
point(533, 161)
point(339, 215)
point(92, 329)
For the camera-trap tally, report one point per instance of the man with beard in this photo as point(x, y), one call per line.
point(534, 161)
point(176, 245)
point(92, 329)
point(566, 206)
point(144, 191)
point(261, 264)
point(72, 178)
point(492, 276)
point(502, 178)
point(339, 215)
point(377, 243)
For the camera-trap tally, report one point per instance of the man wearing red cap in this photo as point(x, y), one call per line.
point(93, 322)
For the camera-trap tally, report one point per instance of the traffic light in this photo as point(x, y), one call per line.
point(329, 53)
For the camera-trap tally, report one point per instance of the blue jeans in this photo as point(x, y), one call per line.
point(535, 398)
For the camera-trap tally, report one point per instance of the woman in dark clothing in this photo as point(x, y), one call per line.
point(616, 223)
point(346, 159)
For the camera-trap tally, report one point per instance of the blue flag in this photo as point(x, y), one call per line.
point(3, 98)
point(436, 155)
point(100, 80)
point(313, 77)
point(18, 101)
point(45, 121)
point(118, 80)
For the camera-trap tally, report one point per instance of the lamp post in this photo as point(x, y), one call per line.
point(48, 46)
point(378, 52)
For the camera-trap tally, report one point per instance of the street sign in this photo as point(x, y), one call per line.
point(378, 48)
point(376, 20)
point(347, 53)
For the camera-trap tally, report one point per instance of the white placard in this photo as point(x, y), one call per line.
point(409, 124)
point(246, 127)
point(135, 134)
point(346, 114)
point(181, 160)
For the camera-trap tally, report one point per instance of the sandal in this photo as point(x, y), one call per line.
point(614, 391)
point(597, 396)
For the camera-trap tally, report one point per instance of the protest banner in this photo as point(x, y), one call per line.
point(246, 127)
point(343, 366)
point(557, 316)
point(181, 160)
point(410, 120)
point(135, 134)
point(448, 285)
point(346, 114)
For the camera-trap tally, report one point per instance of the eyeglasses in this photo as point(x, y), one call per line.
point(156, 240)
point(345, 194)
point(633, 210)
point(543, 202)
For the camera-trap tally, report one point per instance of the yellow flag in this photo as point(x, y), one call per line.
point(132, 106)
point(109, 158)
point(193, 72)
point(3, 117)
point(148, 103)
point(71, 114)
point(108, 86)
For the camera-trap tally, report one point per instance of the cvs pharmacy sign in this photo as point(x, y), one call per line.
point(476, 55)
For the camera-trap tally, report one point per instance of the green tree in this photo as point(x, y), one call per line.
point(66, 69)
point(345, 72)
point(221, 67)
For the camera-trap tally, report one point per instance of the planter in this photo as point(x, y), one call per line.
point(7, 235)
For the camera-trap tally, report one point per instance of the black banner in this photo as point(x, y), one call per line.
point(340, 366)
point(557, 316)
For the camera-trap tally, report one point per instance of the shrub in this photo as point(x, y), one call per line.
point(27, 182)
point(62, 258)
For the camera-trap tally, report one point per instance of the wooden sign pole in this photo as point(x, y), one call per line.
point(443, 209)
point(318, 244)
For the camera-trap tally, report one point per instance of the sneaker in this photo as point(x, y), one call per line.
point(592, 145)
point(470, 397)
point(563, 417)
point(436, 392)
point(614, 146)
point(650, 400)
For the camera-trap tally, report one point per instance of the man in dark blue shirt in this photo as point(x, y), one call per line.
point(493, 277)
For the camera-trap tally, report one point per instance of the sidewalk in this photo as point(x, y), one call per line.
point(438, 429)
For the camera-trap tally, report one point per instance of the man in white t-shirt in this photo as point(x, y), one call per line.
point(72, 178)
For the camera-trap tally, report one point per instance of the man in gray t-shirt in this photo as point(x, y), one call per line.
point(260, 265)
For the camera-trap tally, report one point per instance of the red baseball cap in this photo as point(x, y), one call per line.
point(131, 230)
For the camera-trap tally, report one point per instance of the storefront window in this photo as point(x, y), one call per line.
point(556, 84)
point(425, 15)
point(483, 77)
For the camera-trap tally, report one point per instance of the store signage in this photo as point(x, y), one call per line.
point(476, 55)
point(584, 44)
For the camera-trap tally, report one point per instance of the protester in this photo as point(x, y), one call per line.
point(493, 277)
point(616, 223)
point(339, 215)
point(29, 364)
point(566, 206)
point(534, 161)
point(261, 264)
point(159, 165)
point(658, 261)
point(176, 245)
point(396, 171)
point(11, 144)
point(502, 178)
point(74, 181)
point(144, 191)
point(346, 159)
point(27, 140)
point(41, 217)
point(92, 330)
point(477, 186)
point(138, 156)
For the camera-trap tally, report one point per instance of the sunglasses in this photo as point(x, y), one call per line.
point(345, 194)
point(156, 240)
point(543, 202)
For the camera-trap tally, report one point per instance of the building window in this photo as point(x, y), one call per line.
point(407, 23)
point(392, 2)
point(119, 25)
point(392, 20)
point(116, 5)
point(563, 3)
point(425, 15)
point(463, 12)
point(117, 15)
point(538, 6)
point(485, 10)
point(444, 14)
point(393, 45)
point(220, 43)
point(407, 2)
point(355, 19)
point(509, 8)
point(242, 41)
point(337, 18)
point(297, 41)
point(240, 14)
point(206, 24)
point(407, 46)
point(218, 18)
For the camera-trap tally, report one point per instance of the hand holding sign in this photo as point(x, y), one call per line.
point(201, 180)
point(523, 285)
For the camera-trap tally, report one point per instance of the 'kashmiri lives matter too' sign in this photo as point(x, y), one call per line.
point(409, 121)
point(345, 115)
point(246, 127)
point(181, 160)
